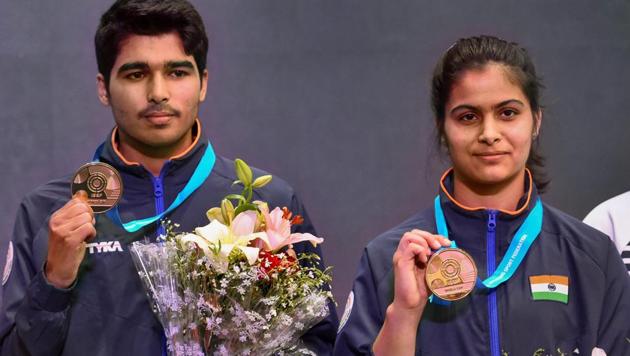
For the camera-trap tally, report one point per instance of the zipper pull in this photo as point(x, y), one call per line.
point(157, 187)
point(492, 220)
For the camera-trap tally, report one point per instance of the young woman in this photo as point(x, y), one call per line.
point(546, 284)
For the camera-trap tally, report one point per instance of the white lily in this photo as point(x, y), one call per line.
point(237, 235)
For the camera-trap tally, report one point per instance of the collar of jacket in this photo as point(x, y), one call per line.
point(525, 203)
point(193, 154)
point(468, 226)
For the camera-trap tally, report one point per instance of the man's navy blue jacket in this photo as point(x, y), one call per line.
point(106, 312)
point(507, 320)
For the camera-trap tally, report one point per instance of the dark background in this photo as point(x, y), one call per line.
point(330, 95)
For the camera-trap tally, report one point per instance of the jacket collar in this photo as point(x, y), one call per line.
point(525, 204)
point(110, 153)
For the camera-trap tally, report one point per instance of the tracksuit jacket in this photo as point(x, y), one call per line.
point(106, 312)
point(506, 320)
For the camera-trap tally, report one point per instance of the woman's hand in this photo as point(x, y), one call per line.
point(410, 263)
point(398, 333)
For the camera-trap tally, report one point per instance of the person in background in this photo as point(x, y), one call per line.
point(547, 283)
point(612, 217)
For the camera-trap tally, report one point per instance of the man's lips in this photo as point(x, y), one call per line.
point(159, 118)
point(159, 114)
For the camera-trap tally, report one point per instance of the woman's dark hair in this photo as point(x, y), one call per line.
point(475, 53)
point(149, 17)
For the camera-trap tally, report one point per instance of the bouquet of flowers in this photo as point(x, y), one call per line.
point(235, 286)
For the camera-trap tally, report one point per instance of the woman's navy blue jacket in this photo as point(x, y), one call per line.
point(106, 312)
point(506, 320)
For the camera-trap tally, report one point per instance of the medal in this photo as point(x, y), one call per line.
point(456, 271)
point(101, 183)
point(451, 274)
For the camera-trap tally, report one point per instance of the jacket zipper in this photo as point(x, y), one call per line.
point(492, 295)
point(158, 193)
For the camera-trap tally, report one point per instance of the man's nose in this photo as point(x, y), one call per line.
point(157, 91)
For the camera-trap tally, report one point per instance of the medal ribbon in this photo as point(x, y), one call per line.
point(201, 173)
point(522, 241)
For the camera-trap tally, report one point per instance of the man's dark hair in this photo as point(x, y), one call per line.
point(149, 17)
point(475, 53)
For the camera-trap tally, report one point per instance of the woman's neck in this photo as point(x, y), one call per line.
point(502, 196)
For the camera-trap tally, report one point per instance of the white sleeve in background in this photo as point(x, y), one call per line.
point(612, 217)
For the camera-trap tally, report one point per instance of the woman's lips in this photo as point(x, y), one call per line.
point(491, 156)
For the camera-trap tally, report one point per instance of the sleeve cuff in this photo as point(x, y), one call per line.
point(47, 296)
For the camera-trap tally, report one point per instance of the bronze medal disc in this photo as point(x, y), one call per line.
point(102, 184)
point(451, 274)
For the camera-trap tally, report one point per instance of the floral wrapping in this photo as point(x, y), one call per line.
point(235, 286)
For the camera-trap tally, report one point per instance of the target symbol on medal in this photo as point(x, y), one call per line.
point(97, 182)
point(450, 268)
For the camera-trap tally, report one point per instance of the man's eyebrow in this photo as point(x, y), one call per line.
point(133, 65)
point(179, 64)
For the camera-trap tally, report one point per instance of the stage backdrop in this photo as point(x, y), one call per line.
point(330, 95)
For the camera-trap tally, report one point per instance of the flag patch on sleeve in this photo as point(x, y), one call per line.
point(550, 287)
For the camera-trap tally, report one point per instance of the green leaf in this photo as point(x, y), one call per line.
point(261, 181)
point(243, 172)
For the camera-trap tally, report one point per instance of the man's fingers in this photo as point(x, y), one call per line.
point(81, 195)
point(83, 232)
point(79, 220)
point(72, 209)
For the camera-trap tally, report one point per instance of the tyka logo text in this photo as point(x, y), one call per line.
point(103, 247)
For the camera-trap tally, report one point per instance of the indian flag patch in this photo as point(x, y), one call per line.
point(550, 287)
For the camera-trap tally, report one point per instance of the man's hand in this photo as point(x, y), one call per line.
point(68, 229)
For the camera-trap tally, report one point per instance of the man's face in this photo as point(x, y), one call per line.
point(154, 93)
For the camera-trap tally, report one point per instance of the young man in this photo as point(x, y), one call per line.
point(64, 292)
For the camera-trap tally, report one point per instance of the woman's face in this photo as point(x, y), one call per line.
point(488, 126)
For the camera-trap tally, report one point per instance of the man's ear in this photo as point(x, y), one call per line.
point(204, 85)
point(101, 88)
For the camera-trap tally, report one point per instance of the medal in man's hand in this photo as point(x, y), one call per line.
point(102, 184)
